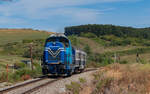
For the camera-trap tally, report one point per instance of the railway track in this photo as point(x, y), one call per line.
point(40, 82)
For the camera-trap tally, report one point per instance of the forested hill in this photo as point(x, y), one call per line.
point(100, 30)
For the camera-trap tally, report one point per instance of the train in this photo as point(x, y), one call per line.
point(61, 58)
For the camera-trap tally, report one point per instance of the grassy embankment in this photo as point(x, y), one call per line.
point(13, 44)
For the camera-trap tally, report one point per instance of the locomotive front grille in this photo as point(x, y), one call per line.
point(50, 57)
point(54, 55)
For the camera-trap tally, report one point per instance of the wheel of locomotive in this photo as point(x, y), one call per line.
point(44, 71)
point(81, 70)
point(76, 70)
point(69, 73)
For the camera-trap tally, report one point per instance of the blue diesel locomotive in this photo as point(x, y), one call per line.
point(61, 58)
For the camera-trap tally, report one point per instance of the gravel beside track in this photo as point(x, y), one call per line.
point(58, 87)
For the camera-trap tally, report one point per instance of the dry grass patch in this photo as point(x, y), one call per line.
point(144, 57)
point(123, 79)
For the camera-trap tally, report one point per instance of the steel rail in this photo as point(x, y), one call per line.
point(21, 85)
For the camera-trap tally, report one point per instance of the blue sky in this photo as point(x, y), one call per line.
point(54, 15)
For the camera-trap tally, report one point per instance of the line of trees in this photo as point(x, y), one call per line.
point(100, 30)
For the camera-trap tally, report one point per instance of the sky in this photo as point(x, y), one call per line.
point(54, 15)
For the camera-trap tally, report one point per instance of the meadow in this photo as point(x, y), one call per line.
point(11, 40)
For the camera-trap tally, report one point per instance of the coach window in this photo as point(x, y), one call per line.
point(77, 56)
point(84, 57)
point(80, 56)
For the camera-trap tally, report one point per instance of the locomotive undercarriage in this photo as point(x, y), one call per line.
point(56, 69)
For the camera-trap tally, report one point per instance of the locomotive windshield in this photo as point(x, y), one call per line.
point(59, 39)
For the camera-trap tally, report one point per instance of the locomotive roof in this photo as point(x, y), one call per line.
point(58, 35)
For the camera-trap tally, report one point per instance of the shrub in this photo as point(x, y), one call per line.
point(22, 49)
point(21, 74)
point(108, 37)
point(106, 61)
point(123, 62)
point(82, 80)
point(74, 40)
point(37, 52)
point(88, 35)
point(19, 65)
point(142, 61)
point(100, 41)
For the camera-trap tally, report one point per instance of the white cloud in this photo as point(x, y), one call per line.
point(11, 21)
point(28, 10)
point(44, 9)
point(31, 7)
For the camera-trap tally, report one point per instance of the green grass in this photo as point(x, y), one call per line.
point(21, 74)
point(10, 59)
point(100, 41)
point(82, 80)
point(74, 87)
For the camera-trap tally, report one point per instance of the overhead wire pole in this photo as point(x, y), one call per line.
point(115, 57)
point(31, 55)
point(7, 72)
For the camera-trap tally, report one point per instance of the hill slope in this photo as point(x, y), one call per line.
point(17, 35)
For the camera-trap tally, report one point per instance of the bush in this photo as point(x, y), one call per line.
point(100, 41)
point(23, 49)
point(82, 80)
point(123, 62)
point(21, 74)
point(88, 35)
point(98, 60)
point(142, 61)
point(106, 61)
point(74, 40)
point(36, 52)
point(19, 65)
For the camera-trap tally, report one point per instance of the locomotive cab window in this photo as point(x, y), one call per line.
point(59, 39)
